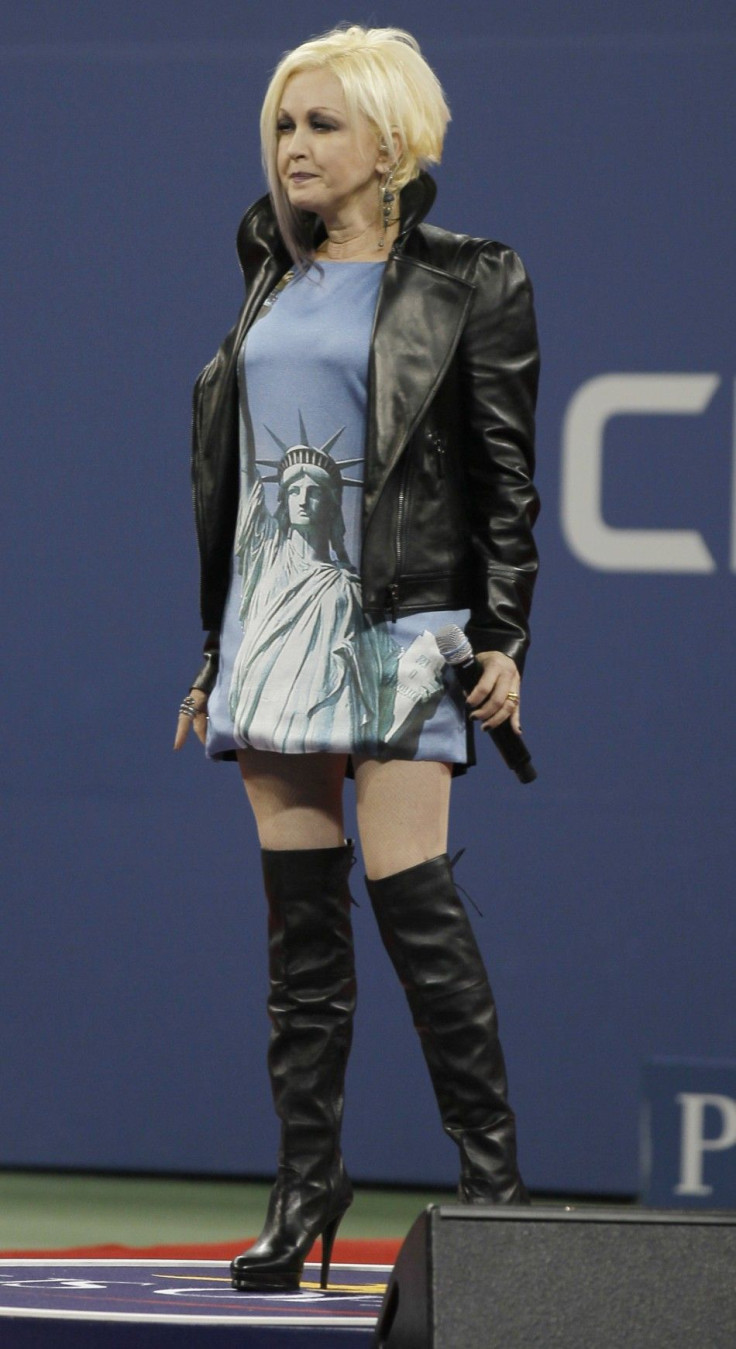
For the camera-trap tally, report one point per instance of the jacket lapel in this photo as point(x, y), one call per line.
point(262, 285)
point(419, 318)
point(263, 258)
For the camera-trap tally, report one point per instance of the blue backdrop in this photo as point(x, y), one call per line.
point(598, 141)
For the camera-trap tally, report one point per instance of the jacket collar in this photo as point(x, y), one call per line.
point(259, 239)
point(415, 202)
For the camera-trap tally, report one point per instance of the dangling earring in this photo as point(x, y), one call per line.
point(387, 199)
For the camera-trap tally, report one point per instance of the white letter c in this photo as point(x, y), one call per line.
point(588, 536)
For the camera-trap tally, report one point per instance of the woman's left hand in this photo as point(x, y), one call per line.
point(496, 696)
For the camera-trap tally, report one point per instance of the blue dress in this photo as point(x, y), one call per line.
point(302, 668)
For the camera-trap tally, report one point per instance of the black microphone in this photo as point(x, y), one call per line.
point(457, 652)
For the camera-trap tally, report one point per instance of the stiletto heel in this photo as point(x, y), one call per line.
point(276, 1262)
point(328, 1241)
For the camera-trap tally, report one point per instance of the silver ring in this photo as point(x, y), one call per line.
point(188, 708)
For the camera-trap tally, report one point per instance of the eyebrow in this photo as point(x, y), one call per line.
point(333, 111)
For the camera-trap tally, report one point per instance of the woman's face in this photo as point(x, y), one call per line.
point(325, 164)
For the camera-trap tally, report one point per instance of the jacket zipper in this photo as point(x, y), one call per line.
point(439, 445)
point(393, 590)
point(392, 607)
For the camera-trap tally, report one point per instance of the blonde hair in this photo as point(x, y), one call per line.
point(385, 79)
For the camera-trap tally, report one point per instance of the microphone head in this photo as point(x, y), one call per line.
point(453, 645)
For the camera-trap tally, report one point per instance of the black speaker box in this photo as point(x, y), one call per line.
point(592, 1278)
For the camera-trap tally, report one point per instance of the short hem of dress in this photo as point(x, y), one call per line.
point(458, 769)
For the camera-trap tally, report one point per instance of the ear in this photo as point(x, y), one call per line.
point(388, 159)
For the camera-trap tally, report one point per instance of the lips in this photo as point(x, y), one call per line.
point(301, 177)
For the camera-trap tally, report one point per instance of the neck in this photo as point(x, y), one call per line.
point(372, 243)
point(311, 542)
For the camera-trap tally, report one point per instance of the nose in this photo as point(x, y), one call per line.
point(295, 145)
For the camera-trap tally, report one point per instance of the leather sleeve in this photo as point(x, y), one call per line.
point(215, 474)
point(499, 369)
point(205, 680)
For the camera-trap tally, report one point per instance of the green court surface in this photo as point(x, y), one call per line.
point(50, 1211)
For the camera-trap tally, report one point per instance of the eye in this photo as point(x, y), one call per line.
point(319, 124)
point(284, 124)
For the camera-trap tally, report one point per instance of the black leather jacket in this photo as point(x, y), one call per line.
point(448, 499)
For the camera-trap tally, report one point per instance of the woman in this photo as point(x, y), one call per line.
point(407, 357)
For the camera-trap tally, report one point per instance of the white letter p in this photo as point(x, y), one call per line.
point(694, 1142)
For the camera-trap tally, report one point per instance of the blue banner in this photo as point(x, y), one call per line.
point(132, 1020)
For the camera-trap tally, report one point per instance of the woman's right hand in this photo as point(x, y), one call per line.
point(198, 700)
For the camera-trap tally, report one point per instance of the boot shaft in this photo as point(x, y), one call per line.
point(311, 998)
point(428, 937)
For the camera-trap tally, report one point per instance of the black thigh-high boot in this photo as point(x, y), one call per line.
point(311, 1002)
point(426, 932)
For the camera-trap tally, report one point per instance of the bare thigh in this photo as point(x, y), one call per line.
point(296, 798)
point(403, 812)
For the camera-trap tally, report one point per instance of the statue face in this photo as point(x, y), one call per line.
point(308, 499)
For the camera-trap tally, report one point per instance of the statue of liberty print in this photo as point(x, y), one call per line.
point(313, 672)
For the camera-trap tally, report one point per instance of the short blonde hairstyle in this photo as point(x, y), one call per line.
point(385, 79)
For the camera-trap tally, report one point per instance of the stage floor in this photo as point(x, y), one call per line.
point(107, 1303)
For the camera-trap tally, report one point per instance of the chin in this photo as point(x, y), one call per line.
point(303, 203)
point(301, 197)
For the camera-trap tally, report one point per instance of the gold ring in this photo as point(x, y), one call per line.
point(512, 697)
